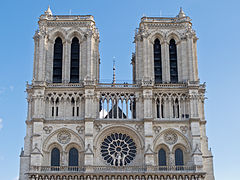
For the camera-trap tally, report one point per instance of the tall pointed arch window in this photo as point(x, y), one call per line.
point(57, 61)
point(74, 71)
point(173, 61)
point(55, 157)
point(179, 157)
point(73, 157)
point(162, 160)
point(157, 61)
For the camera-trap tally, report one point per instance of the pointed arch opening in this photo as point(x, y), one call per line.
point(173, 61)
point(162, 160)
point(157, 61)
point(179, 157)
point(74, 71)
point(55, 157)
point(73, 157)
point(57, 61)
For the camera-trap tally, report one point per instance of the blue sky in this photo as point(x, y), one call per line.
point(217, 26)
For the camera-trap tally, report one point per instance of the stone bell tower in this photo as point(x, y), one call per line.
point(81, 129)
point(55, 30)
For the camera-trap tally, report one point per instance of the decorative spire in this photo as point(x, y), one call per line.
point(48, 11)
point(114, 75)
point(181, 13)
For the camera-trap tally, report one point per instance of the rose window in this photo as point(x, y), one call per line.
point(118, 149)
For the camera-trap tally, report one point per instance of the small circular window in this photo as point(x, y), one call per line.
point(118, 149)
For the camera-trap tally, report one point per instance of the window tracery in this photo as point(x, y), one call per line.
point(118, 149)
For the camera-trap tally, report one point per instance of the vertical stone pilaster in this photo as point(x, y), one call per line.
point(190, 58)
point(36, 150)
point(64, 61)
point(89, 117)
point(67, 62)
point(36, 56)
point(196, 143)
point(49, 62)
point(165, 62)
point(151, 60)
point(145, 69)
point(40, 58)
point(89, 55)
point(184, 59)
point(148, 132)
point(147, 95)
point(148, 135)
point(195, 61)
point(179, 61)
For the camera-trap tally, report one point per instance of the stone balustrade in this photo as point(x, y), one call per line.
point(112, 169)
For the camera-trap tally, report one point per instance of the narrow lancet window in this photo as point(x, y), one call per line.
point(74, 72)
point(57, 61)
point(157, 61)
point(55, 157)
point(179, 157)
point(73, 157)
point(173, 61)
point(162, 161)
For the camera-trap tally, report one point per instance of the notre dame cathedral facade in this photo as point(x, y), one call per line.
point(81, 129)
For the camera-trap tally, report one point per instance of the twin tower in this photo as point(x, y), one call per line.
point(81, 129)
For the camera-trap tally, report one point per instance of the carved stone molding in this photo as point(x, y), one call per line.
point(64, 137)
point(88, 150)
point(184, 129)
point(157, 129)
point(149, 150)
point(80, 129)
point(36, 149)
point(197, 150)
point(47, 129)
point(139, 127)
point(170, 137)
point(98, 127)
